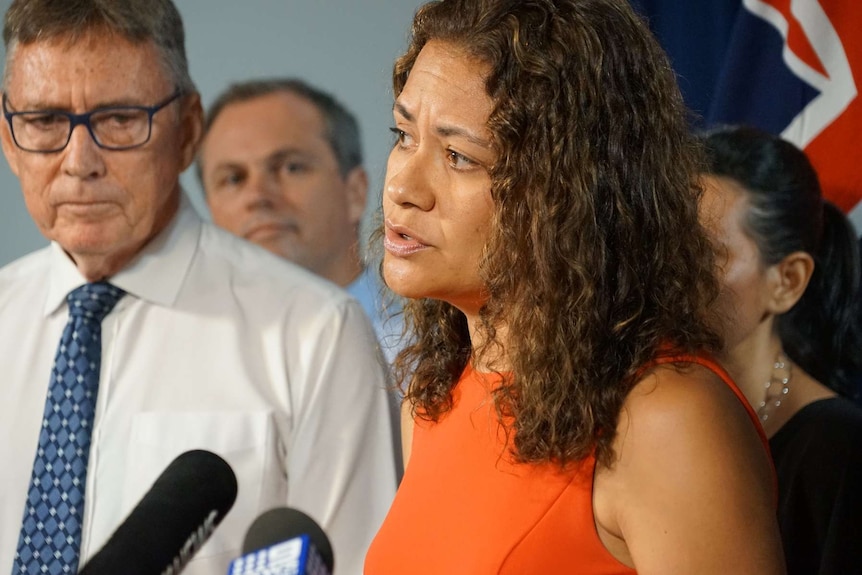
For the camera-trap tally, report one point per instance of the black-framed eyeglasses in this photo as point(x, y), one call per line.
point(111, 127)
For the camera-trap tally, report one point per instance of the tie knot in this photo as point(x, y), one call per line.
point(94, 300)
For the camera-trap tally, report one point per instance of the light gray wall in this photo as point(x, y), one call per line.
point(346, 47)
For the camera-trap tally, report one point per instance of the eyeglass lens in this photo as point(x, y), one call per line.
point(112, 128)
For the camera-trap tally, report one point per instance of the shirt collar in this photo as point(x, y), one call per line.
point(362, 285)
point(156, 274)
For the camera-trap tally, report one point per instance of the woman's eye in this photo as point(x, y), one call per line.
point(400, 136)
point(459, 161)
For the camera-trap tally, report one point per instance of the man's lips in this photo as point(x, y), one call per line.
point(401, 241)
point(263, 229)
point(86, 208)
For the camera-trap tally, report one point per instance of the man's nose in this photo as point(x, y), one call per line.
point(82, 156)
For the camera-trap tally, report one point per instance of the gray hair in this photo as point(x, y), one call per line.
point(138, 21)
point(342, 129)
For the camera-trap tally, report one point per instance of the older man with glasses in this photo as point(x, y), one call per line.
point(142, 332)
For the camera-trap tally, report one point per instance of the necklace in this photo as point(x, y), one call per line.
point(776, 387)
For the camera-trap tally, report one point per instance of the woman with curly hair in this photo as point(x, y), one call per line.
point(561, 413)
point(792, 303)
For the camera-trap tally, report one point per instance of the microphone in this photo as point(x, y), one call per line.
point(172, 521)
point(284, 541)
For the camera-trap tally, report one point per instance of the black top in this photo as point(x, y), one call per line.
point(818, 457)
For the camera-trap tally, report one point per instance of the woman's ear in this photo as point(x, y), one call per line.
point(788, 280)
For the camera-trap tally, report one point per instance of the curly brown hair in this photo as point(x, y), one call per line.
point(596, 261)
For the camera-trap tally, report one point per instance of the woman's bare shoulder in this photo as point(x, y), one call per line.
point(691, 489)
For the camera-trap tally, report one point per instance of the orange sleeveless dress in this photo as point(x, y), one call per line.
point(464, 508)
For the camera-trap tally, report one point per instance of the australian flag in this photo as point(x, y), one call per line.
point(790, 67)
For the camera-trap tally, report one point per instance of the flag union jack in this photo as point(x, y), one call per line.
point(790, 67)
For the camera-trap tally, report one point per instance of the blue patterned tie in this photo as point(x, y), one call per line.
point(50, 540)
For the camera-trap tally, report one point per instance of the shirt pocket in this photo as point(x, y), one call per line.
point(246, 440)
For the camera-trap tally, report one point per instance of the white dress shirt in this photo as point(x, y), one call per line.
point(388, 323)
point(221, 346)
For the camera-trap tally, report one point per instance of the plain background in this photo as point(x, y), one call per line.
point(346, 47)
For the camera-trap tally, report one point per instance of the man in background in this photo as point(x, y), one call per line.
point(281, 166)
point(142, 332)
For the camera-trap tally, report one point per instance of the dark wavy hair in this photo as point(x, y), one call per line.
point(596, 261)
point(822, 333)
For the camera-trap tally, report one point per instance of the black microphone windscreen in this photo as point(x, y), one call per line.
point(283, 523)
point(187, 501)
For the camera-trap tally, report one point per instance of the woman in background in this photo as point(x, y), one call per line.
point(540, 209)
point(793, 343)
